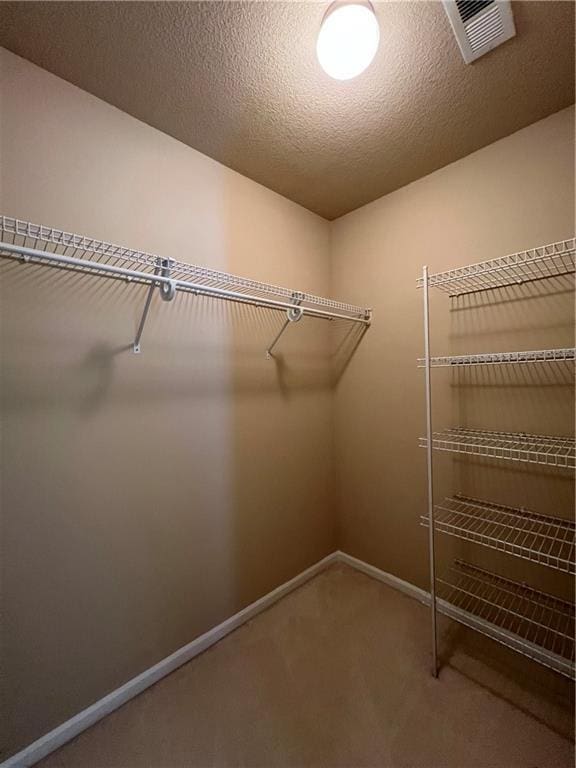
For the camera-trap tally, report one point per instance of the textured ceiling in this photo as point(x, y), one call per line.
point(239, 81)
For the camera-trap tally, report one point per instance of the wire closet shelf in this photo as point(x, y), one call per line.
point(546, 261)
point(527, 620)
point(47, 246)
point(538, 538)
point(566, 355)
point(510, 446)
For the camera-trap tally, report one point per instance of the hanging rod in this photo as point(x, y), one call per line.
point(31, 254)
point(107, 260)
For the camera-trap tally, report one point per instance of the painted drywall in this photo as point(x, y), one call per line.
point(145, 498)
point(510, 196)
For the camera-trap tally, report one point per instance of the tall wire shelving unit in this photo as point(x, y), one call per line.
point(534, 623)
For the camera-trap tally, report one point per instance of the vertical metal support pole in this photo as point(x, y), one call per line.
point(429, 467)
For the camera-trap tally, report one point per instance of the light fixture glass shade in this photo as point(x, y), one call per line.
point(348, 40)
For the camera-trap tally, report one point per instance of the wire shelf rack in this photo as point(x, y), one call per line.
point(564, 355)
point(511, 446)
point(535, 623)
point(86, 254)
point(541, 539)
point(553, 260)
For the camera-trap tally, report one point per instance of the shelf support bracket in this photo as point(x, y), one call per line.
point(167, 293)
point(293, 315)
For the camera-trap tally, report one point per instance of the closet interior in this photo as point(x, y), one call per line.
point(287, 384)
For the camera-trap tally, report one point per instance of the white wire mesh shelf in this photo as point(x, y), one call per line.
point(511, 446)
point(529, 621)
point(553, 260)
point(502, 358)
point(539, 538)
point(45, 245)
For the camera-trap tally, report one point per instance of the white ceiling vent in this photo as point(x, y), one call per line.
point(480, 25)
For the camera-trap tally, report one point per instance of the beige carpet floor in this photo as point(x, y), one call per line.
point(337, 674)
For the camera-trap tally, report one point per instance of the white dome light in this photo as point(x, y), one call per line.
point(348, 40)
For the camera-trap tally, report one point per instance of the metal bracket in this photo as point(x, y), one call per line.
point(167, 290)
point(167, 293)
point(293, 315)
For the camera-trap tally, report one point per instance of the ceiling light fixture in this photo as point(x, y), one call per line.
point(348, 39)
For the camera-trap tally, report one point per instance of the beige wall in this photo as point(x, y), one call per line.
point(145, 498)
point(512, 195)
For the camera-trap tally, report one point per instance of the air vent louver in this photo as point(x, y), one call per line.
point(469, 8)
point(480, 25)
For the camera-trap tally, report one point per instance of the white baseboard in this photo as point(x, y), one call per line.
point(88, 717)
point(92, 714)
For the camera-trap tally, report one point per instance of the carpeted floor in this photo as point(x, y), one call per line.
point(337, 674)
